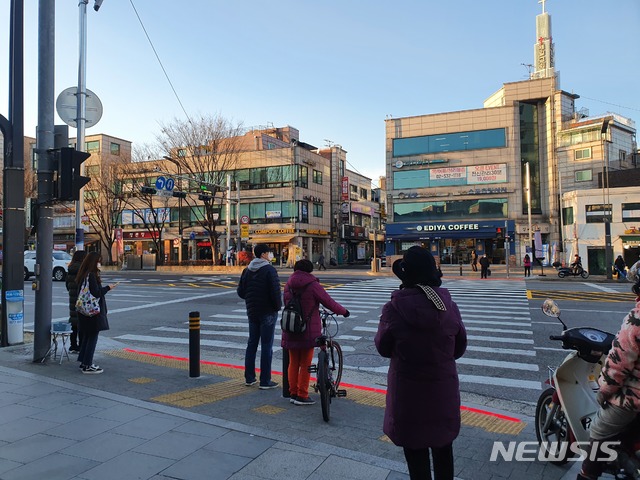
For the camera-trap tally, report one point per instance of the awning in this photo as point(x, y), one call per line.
point(630, 238)
point(270, 239)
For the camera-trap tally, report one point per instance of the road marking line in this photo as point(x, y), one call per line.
point(501, 382)
point(550, 349)
point(499, 330)
point(600, 287)
point(480, 338)
point(490, 322)
point(168, 302)
point(505, 351)
point(482, 362)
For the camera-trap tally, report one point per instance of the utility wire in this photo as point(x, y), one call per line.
point(160, 62)
point(359, 173)
point(608, 103)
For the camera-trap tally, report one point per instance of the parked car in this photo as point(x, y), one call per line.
point(60, 262)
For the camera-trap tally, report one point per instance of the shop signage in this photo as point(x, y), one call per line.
point(311, 198)
point(411, 163)
point(317, 232)
point(274, 213)
point(632, 231)
point(451, 174)
point(139, 235)
point(354, 232)
point(495, 173)
point(485, 191)
point(345, 188)
point(438, 227)
point(359, 208)
point(276, 231)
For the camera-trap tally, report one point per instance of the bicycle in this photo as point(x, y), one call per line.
point(329, 366)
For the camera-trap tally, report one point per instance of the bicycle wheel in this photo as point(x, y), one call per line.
point(324, 384)
point(336, 364)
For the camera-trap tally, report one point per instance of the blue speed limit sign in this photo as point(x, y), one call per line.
point(170, 184)
point(160, 183)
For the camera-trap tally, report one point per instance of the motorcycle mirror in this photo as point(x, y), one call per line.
point(550, 308)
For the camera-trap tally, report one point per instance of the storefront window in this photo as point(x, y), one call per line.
point(529, 146)
point(630, 212)
point(410, 179)
point(567, 216)
point(598, 213)
point(303, 176)
point(450, 210)
point(450, 142)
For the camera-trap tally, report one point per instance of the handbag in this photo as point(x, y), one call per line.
point(87, 304)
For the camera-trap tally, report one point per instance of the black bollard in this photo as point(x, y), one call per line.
point(194, 344)
point(460, 268)
point(285, 373)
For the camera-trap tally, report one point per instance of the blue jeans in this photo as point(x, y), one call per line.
point(261, 330)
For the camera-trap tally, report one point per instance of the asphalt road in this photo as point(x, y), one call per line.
point(509, 347)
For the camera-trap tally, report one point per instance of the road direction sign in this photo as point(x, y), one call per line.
point(170, 184)
point(160, 183)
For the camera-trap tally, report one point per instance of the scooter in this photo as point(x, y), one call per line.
point(565, 410)
point(571, 272)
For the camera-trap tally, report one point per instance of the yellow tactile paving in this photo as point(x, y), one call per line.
point(269, 410)
point(491, 423)
point(142, 380)
point(583, 296)
point(235, 387)
point(203, 395)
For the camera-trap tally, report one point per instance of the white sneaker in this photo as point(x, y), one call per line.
point(92, 370)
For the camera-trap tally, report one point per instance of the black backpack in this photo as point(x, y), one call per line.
point(293, 319)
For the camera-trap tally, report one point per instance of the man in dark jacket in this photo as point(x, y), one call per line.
point(484, 266)
point(259, 286)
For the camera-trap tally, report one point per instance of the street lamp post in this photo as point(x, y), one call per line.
point(608, 250)
point(179, 168)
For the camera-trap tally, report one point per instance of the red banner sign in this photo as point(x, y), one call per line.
point(345, 188)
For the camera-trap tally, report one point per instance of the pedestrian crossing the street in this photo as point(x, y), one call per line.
point(496, 314)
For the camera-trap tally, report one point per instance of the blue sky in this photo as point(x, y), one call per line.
point(334, 69)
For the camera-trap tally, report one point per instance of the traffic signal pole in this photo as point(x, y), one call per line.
point(45, 141)
point(13, 183)
point(81, 114)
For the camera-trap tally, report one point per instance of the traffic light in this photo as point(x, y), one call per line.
point(148, 190)
point(205, 198)
point(69, 182)
point(178, 194)
point(499, 232)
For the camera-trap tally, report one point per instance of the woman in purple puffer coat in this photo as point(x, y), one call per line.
point(301, 345)
point(422, 332)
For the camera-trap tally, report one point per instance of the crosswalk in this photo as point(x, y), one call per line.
point(500, 352)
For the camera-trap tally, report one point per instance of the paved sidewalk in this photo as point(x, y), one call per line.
point(145, 418)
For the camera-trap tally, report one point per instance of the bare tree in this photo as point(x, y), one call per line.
point(147, 209)
point(204, 149)
point(105, 201)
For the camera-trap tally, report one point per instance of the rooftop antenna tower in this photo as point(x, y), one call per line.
point(543, 50)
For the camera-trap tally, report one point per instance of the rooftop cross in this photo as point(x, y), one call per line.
point(542, 2)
